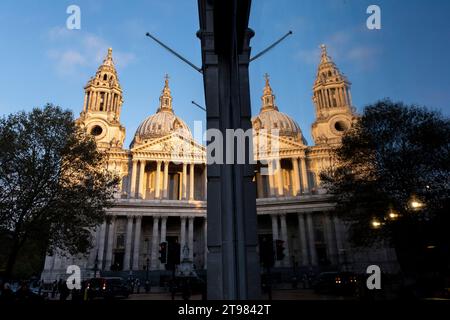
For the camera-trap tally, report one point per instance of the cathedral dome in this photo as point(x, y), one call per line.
point(270, 118)
point(163, 122)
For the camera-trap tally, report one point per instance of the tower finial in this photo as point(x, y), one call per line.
point(267, 77)
point(268, 97)
point(166, 97)
point(166, 81)
point(267, 88)
point(108, 59)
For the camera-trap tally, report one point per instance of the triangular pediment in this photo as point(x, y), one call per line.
point(173, 145)
point(268, 145)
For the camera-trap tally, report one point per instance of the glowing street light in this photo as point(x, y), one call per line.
point(393, 215)
point(416, 204)
point(376, 224)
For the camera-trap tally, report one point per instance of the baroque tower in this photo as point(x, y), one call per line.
point(102, 106)
point(332, 101)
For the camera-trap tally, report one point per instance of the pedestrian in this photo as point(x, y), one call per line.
point(54, 289)
point(147, 286)
point(138, 285)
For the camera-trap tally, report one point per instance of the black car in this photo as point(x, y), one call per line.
point(336, 283)
point(108, 287)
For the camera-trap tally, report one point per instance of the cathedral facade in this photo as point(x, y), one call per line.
point(162, 192)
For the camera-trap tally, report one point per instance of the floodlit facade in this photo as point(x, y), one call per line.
point(162, 193)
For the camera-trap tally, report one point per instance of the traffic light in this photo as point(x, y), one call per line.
point(163, 252)
point(173, 256)
point(266, 253)
point(279, 249)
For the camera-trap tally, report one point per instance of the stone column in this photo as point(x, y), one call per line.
point(339, 242)
point(205, 183)
point(191, 238)
point(330, 239)
point(271, 178)
point(311, 240)
point(155, 244)
point(259, 185)
point(163, 229)
point(303, 241)
point(285, 238)
point(137, 242)
point(184, 182)
point(141, 180)
point(163, 237)
point(133, 180)
point(305, 185)
point(129, 235)
point(101, 245)
point(296, 177)
point(205, 231)
point(166, 180)
point(279, 175)
point(109, 250)
point(191, 181)
point(157, 180)
point(182, 236)
point(275, 235)
point(346, 96)
point(84, 103)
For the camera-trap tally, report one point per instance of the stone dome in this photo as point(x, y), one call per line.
point(276, 120)
point(270, 118)
point(163, 122)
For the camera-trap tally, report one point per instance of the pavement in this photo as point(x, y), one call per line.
point(297, 294)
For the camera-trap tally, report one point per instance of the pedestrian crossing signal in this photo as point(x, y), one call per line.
point(163, 252)
point(279, 248)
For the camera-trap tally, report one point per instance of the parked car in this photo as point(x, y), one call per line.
point(336, 283)
point(107, 287)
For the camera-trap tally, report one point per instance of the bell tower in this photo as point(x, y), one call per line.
point(102, 106)
point(332, 102)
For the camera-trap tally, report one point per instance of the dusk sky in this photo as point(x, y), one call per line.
point(42, 61)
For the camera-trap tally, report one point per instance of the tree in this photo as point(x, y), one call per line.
point(392, 183)
point(54, 185)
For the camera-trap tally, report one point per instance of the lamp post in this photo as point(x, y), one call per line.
point(147, 286)
point(96, 265)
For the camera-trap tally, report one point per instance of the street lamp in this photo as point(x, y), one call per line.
point(416, 204)
point(147, 267)
point(376, 224)
point(393, 215)
point(96, 265)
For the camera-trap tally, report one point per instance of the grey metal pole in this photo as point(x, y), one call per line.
point(233, 263)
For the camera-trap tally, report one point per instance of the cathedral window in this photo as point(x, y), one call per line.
point(340, 126)
point(105, 77)
point(96, 131)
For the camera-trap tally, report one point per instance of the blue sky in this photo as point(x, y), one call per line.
point(41, 61)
